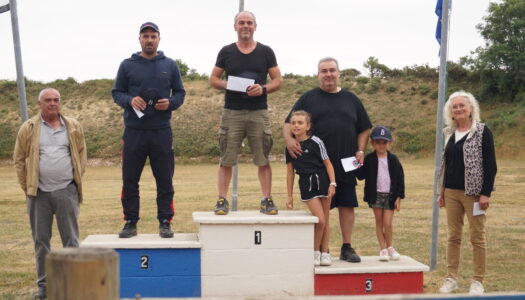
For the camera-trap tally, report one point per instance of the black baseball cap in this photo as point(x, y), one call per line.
point(151, 96)
point(149, 25)
point(380, 132)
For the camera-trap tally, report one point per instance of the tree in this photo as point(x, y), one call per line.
point(183, 67)
point(501, 63)
point(375, 69)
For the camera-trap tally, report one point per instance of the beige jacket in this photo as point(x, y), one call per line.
point(27, 153)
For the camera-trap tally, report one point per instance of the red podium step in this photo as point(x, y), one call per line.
point(370, 276)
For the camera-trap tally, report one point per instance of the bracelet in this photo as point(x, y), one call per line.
point(333, 183)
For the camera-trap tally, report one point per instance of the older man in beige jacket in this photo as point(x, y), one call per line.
point(50, 159)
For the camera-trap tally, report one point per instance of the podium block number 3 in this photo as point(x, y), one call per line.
point(258, 237)
point(368, 285)
point(144, 262)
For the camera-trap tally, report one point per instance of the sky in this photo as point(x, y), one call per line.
point(88, 39)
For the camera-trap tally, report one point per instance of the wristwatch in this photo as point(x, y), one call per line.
point(333, 183)
point(265, 91)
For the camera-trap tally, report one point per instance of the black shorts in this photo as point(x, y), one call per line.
point(345, 196)
point(314, 185)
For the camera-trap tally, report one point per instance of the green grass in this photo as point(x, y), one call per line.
point(195, 186)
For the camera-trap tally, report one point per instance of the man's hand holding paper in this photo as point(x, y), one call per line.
point(239, 84)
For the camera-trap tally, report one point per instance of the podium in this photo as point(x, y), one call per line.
point(151, 266)
point(370, 276)
point(249, 254)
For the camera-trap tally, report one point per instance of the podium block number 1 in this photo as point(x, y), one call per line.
point(258, 237)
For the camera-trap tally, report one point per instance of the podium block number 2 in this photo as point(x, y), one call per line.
point(144, 262)
point(258, 237)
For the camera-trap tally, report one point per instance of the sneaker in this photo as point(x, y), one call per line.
point(393, 253)
point(476, 288)
point(222, 207)
point(348, 254)
point(317, 258)
point(326, 259)
point(165, 229)
point(383, 255)
point(448, 286)
point(267, 206)
point(129, 230)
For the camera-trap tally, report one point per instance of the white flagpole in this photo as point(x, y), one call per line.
point(442, 91)
point(236, 167)
point(18, 60)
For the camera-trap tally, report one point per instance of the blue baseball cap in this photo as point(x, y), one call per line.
point(381, 133)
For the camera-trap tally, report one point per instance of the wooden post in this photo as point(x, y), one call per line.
point(82, 274)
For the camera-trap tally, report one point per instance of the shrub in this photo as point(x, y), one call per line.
point(362, 80)
point(391, 88)
point(423, 89)
point(373, 86)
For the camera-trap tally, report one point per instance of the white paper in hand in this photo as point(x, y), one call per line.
point(476, 211)
point(238, 84)
point(138, 112)
point(350, 163)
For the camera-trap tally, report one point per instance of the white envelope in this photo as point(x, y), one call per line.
point(476, 211)
point(238, 84)
point(350, 163)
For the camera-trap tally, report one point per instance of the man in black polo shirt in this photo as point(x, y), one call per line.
point(245, 113)
point(341, 121)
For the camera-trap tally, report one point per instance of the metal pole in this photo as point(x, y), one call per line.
point(442, 91)
point(18, 58)
point(236, 167)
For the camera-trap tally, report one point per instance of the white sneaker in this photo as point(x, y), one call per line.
point(448, 286)
point(317, 258)
point(476, 288)
point(326, 259)
point(383, 255)
point(393, 253)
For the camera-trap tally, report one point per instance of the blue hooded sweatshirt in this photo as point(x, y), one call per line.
point(138, 73)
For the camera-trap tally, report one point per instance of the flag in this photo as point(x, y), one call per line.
point(4, 8)
point(439, 11)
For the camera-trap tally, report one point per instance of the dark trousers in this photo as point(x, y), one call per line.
point(138, 145)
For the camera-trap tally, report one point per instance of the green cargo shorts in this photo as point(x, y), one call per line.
point(238, 124)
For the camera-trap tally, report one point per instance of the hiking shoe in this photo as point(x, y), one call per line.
point(267, 206)
point(326, 259)
point(393, 253)
point(348, 254)
point(476, 288)
point(165, 229)
point(129, 230)
point(448, 286)
point(317, 258)
point(222, 207)
point(383, 255)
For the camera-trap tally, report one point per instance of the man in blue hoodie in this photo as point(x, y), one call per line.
point(149, 87)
